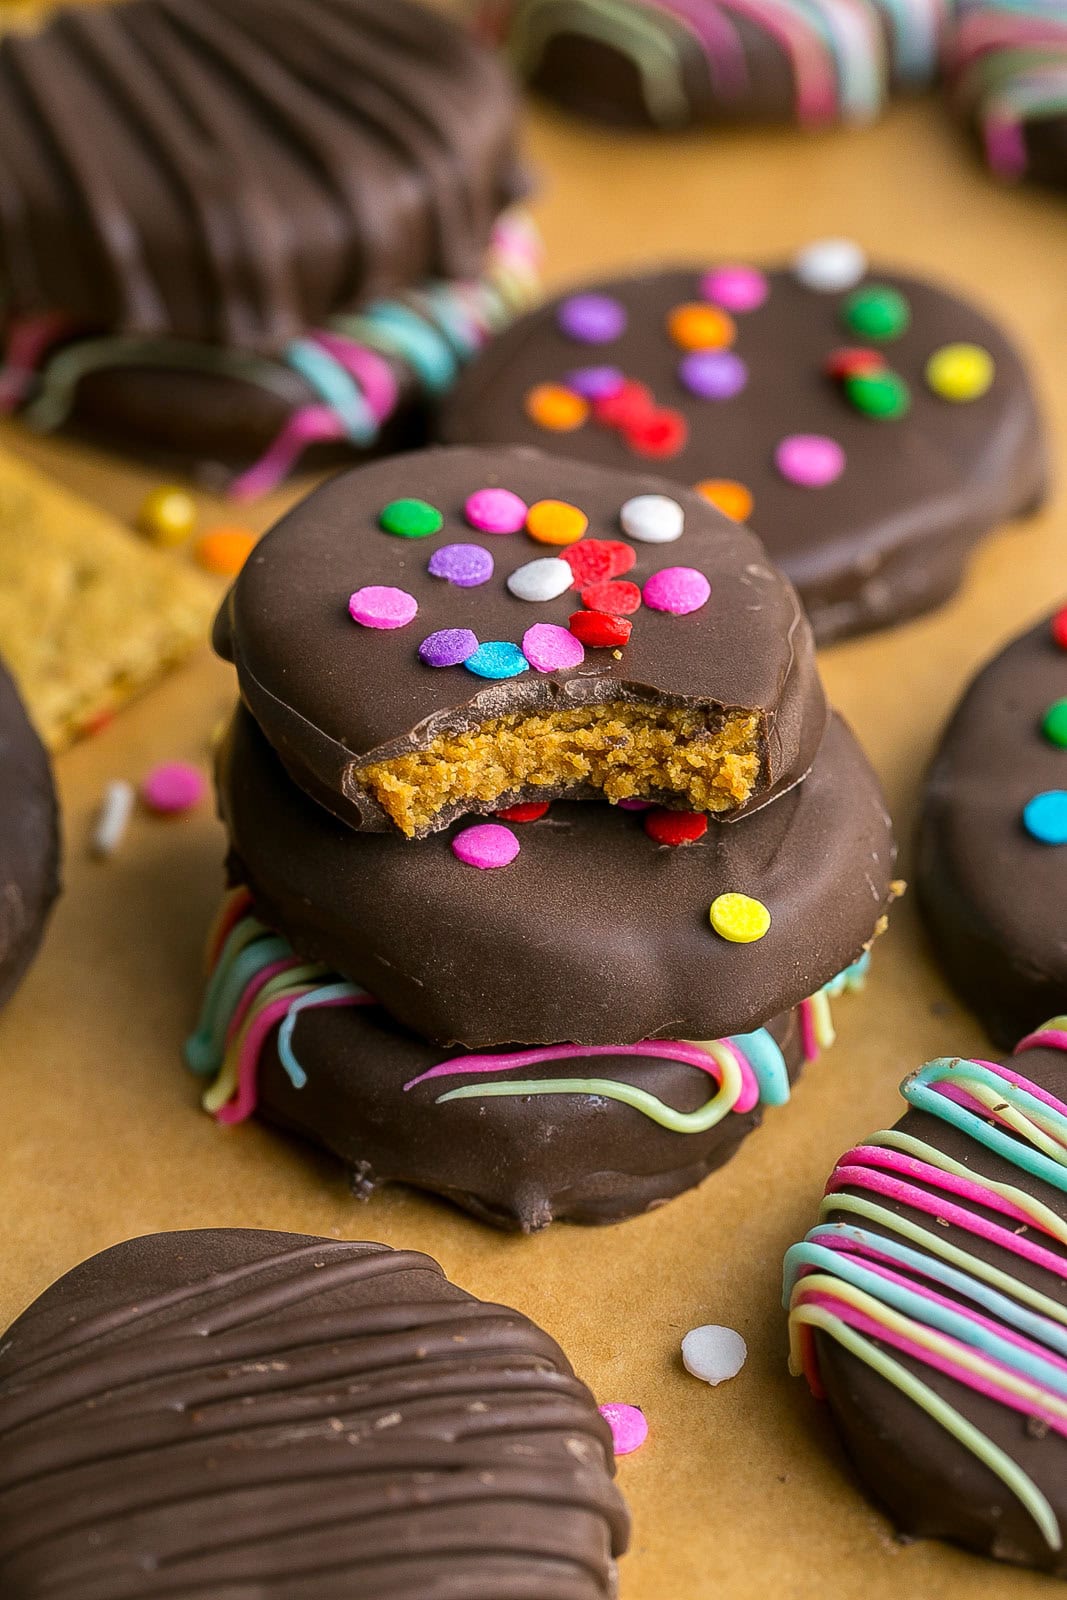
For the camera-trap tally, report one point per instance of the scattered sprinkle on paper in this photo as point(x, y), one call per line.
point(713, 1354)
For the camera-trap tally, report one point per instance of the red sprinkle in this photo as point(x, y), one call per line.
point(619, 599)
point(595, 560)
point(1059, 628)
point(525, 811)
point(596, 629)
point(662, 434)
point(853, 362)
point(632, 403)
point(675, 827)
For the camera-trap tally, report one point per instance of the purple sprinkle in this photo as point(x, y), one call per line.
point(465, 565)
point(713, 374)
point(549, 648)
point(379, 606)
point(679, 590)
point(486, 845)
point(451, 647)
point(595, 383)
point(591, 318)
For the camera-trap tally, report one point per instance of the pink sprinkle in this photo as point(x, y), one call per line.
point(677, 589)
point(495, 511)
point(173, 787)
point(810, 460)
point(629, 1429)
point(379, 606)
point(549, 648)
point(486, 845)
point(735, 288)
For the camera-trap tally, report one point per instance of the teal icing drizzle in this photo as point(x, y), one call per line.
point(335, 387)
point(327, 994)
point(918, 1092)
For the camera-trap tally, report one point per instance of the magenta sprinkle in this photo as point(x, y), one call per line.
point(495, 511)
point(679, 590)
point(450, 647)
point(465, 565)
point(486, 845)
point(634, 805)
point(379, 606)
point(735, 288)
point(629, 1429)
point(549, 648)
point(173, 787)
point(810, 460)
point(595, 383)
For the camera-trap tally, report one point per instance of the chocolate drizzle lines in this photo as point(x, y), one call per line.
point(294, 1418)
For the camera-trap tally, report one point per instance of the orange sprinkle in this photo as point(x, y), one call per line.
point(225, 550)
point(701, 327)
point(731, 498)
point(552, 406)
point(555, 522)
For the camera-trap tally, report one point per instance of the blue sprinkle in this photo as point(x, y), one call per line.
point(1045, 816)
point(497, 659)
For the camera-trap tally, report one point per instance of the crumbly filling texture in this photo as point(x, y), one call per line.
point(708, 762)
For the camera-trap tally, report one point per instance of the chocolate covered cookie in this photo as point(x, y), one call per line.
point(992, 850)
point(870, 426)
point(460, 631)
point(238, 171)
point(1007, 72)
point(676, 63)
point(233, 1413)
point(928, 1306)
point(29, 839)
point(518, 1137)
point(592, 921)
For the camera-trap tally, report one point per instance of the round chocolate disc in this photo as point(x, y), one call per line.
point(29, 839)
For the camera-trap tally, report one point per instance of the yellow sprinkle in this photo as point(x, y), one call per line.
point(167, 515)
point(960, 372)
point(739, 918)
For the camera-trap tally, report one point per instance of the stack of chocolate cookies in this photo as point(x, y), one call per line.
point(545, 848)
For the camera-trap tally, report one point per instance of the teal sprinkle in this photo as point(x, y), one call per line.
point(335, 387)
point(918, 1092)
point(318, 997)
point(763, 1055)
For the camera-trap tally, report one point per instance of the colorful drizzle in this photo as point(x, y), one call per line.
point(902, 1286)
point(1007, 64)
point(834, 48)
point(257, 982)
point(352, 366)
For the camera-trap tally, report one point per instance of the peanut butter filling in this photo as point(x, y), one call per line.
point(626, 751)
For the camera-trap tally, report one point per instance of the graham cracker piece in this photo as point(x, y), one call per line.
point(89, 615)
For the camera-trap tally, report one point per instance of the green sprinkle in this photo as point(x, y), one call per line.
point(879, 394)
point(1054, 726)
point(411, 519)
point(877, 312)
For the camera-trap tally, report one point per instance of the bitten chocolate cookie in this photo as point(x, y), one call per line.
point(928, 1307)
point(238, 171)
point(520, 1138)
point(234, 1413)
point(591, 920)
point(29, 839)
point(675, 63)
point(460, 631)
point(992, 851)
point(869, 426)
point(1007, 73)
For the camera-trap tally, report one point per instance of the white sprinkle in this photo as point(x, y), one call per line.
point(544, 579)
point(713, 1354)
point(830, 265)
point(112, 819)
point(652, 519)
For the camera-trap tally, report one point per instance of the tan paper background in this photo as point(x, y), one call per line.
point(739, 1491)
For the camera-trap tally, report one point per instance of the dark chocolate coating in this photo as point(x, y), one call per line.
point(931, 1486)
point(1046, 150)
point(593, 931)
point(891, 536)
point(515, 1162)
point(238, 1414)
point(236, 170)
point(993, 897)
point(29, 839)
point(330, 695)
